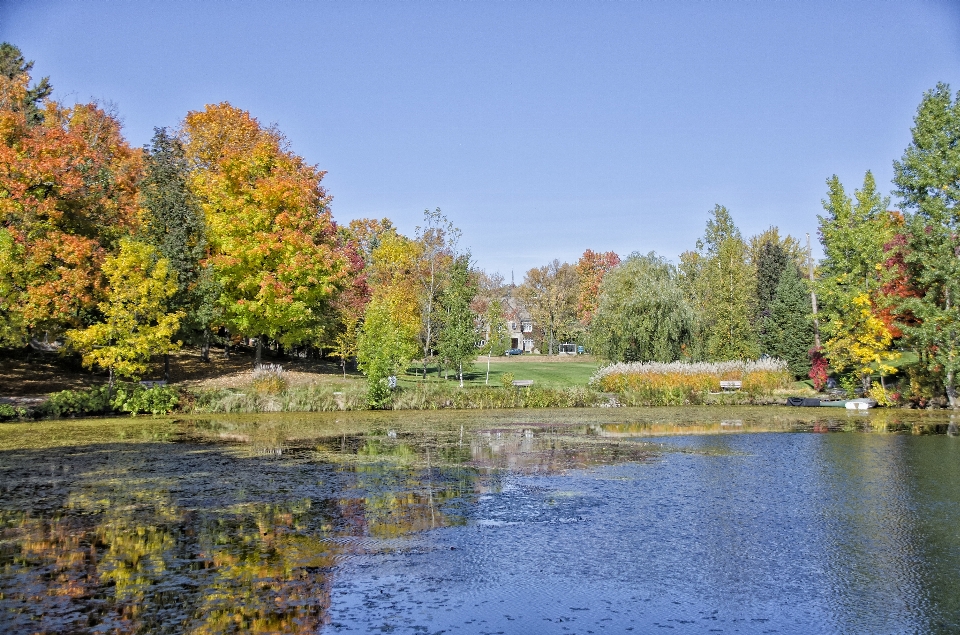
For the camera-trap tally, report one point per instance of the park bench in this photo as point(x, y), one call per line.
point(153, 384)
point(730, 385)
point(523, 383)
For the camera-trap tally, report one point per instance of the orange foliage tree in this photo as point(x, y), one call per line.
point(274, 246)
point(67, 195)
point(591, 268)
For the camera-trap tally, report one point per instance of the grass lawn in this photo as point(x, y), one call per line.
point(548, 374)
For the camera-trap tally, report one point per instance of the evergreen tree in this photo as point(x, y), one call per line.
point(175, 226)
point(14, 67)
point(789, 327)
point(457, 340)
point(928, 181)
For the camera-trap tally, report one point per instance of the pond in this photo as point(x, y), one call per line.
point(694, 520)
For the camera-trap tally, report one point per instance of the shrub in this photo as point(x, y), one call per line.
point(76, 403)
point(158, 400)
point(7, 411)
point(506, 380)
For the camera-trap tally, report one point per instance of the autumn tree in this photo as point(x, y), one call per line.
point(853, 233)
point(273, 244)
point(550, 294)
point(642, 314)
point(928, 182)
point(67, 195)
point(136, 321)
point(591, 269)
point(388, 339)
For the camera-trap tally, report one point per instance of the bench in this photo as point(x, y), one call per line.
point(153, 384)
point(523, 383)
point(727, 386)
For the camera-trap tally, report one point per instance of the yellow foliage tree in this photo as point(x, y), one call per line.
point(861, 341)
point(135, 323)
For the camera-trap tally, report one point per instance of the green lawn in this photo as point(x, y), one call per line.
point(546, 374)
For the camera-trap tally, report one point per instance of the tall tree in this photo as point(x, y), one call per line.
point(388, 339)
point(67, 195)
point(853, 233)
point(438, 239)
point(591, 269)
point(642, 314)
point(928, 182)
point(457, 339)
point(788, 332)
point(722, 279)
point(550, 294)
point(274, 247)
point(174, 224)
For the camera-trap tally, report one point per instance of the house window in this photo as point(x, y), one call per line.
point(527, 326)
point(513, 326)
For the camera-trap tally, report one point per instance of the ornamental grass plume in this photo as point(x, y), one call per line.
point(760, 376)
point(269, 379)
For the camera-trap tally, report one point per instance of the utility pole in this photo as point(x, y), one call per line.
point(813, 295)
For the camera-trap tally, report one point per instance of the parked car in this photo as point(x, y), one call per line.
point(514, 351)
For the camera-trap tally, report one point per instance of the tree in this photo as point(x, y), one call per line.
point(591, 268)
point(173, 223)
point(13, 67)
point(274, 247)
point(853, 234)
point(136, 321)
point(438, 239)
point(67, 195)
point(550, 293)
point(642, 314)
point(927, 179)
point(388, 339)
point(720, 281)
point(788, 331)
point(457, 340)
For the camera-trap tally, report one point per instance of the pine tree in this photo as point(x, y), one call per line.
point(789, 333)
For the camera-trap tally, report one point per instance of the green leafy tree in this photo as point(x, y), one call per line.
point(789, 326)
point(642, 313)
point(928, 182)
point(721, 282)
point(457, 339)
point(550, 295)
point(136, 321)
point(437, 239)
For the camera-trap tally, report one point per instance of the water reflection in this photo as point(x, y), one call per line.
point(276, 525)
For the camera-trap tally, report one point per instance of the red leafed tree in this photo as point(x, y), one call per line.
point(591, 268)
point(67, 194)
point(896, 287)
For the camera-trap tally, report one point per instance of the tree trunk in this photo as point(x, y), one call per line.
point(226, 344)
point(110, 389)
point(951, 390)
point(166, 367)
point(460, 369)
point(205, 347)
point(259, 355)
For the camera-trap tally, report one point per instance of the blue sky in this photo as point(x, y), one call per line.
point(540, 128)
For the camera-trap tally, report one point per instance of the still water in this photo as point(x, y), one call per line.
point(726, 520)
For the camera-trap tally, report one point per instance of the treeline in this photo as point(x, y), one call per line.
point(217, 232)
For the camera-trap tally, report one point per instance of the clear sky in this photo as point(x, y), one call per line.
point(540, 128)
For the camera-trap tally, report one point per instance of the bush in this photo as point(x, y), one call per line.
point(159, 400)
point(77, 403)
point(506, 380)
point(7, 411)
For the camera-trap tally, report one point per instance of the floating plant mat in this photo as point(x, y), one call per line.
point(512, 520)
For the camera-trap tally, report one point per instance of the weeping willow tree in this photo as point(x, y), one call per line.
point(643, 314)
